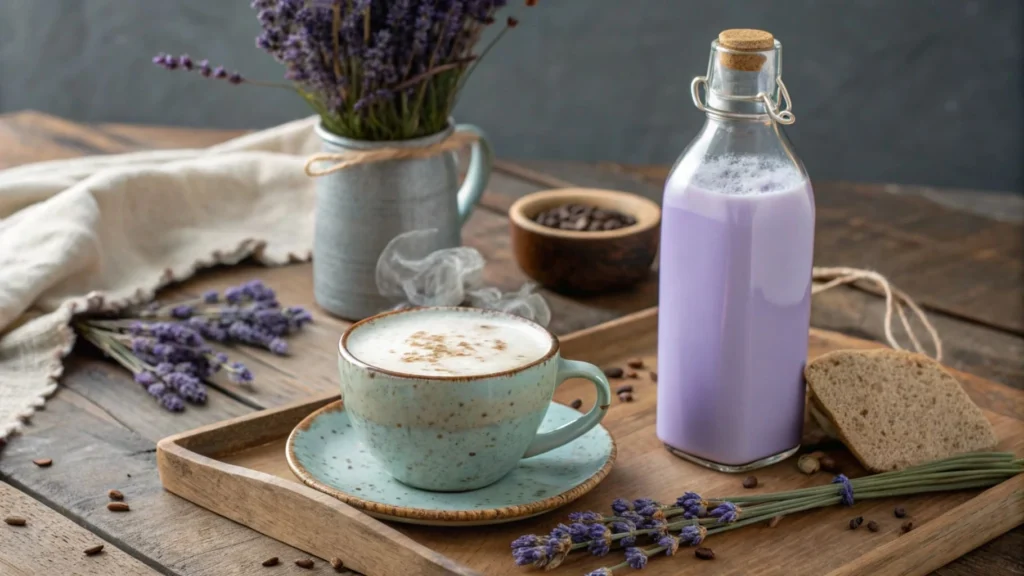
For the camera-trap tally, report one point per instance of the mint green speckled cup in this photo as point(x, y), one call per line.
point(456, 433)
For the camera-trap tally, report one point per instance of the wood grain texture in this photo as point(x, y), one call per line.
point(951, 535)
point(64, 541)
point(820, 538)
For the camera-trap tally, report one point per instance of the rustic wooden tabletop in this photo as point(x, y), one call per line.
point(959, 253)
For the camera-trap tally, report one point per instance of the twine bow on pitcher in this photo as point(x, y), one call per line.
point(342, 160)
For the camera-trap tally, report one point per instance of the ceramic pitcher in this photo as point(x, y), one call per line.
point(361, 208)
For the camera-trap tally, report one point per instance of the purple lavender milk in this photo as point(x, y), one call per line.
point(735, 288)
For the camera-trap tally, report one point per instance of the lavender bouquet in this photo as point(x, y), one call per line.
point(372, 69)
point(645, 528)
point(165, 345)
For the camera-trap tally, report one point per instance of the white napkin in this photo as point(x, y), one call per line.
point(106, 231)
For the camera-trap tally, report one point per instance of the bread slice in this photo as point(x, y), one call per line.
point(895, 409)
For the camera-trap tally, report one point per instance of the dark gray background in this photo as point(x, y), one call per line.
point(907, 91)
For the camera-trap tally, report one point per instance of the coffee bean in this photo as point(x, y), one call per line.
point(873, 526)
point(576, 404)
point(581, 217)
point(625, 397)
point(632, 375)
point(615, 372)
point(907, 526)
point(750, 482)
point(704, 553)
point(654, 376)
point(581, 224)
point(626, 388)
point(774, 521)
point(856, 522)
point(337, 564)
point(94, 550)
point(599, 214)
point(611, 225)
point(635, 363)
point(594, 226)
point(115, 495)
point(15, 520)
point(827, 463)
point(272, 561)
point(42, 462)
point(306, 563)
point(118, 507)
point(899, 512)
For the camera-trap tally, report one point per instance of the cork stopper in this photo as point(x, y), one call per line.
point(744, 40)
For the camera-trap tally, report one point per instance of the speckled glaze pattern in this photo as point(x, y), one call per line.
point(449, 433)
point(326, 453)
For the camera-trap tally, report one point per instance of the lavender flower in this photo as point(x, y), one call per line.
point(527, 541)
point(579, 532)
point(640, 503)
point(601, 572)
point(146, 378)
point(210, 296)
point(536, 556)
point(636, 558)
point(172, 402)
point(620, 506)
point(586, 517)
point(726, 512)
point(600, 540)
point(670, 543)
point(692, 535)
point(846, 490)
point(156, 389)
point(693, 505)
point(239, 374)
point(558, 550)
point(624, 527)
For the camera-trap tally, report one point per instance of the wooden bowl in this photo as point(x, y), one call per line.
point(585, 262)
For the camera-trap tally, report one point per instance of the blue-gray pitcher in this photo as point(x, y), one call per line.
point(361, 208)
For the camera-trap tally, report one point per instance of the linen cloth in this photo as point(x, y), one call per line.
point(103, 232)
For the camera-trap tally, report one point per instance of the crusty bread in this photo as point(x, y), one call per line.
point(895, 409)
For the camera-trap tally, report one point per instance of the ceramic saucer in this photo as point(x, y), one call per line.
point(325, 452)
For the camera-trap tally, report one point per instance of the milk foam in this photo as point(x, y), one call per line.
point(747, 175)
point(446, 343)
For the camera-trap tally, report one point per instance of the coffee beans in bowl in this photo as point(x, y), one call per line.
point(585, 241)
point(583, 218)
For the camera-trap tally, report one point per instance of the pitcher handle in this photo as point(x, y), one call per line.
point(479, 172)
point(568, 432)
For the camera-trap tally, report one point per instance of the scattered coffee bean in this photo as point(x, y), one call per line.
point(614, 372)
point(337, 564)
point(625, 397)
point(808, 464)
point(579, 217)
point(115, 495)
point(774, 521)
point(873, 526)
point(750, 482)
point(15, 520)
point(632, 374)
point(626, 388)
point(907, 526)
point(828, 464)
point(306, 563)
point(899, 512)
point(576, 404)
point(635, 363)
point(94, 550)
point(118, 507)
point(654, 376)
point(272, 561)
point(856, 522)
point(704, 553)
point(43, 462)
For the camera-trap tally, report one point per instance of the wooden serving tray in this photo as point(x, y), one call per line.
point(237, 469)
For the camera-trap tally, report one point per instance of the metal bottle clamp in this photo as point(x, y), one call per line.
point(782, 115)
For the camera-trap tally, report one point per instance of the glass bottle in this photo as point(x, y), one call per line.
point(737, 240)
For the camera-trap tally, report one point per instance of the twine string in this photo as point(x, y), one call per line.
point(895, 299)
point(338, 161)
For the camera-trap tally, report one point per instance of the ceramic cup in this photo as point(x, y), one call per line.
point(456, 433)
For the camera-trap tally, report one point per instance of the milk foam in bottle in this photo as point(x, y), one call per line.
point(737, 239)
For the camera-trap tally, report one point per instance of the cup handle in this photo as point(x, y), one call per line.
point(477, 175)
point(573, 430)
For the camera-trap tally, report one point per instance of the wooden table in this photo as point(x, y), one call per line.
point(100, 428)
